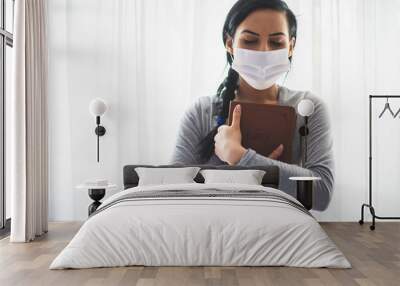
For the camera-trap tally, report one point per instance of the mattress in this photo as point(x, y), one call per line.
point(219, 224)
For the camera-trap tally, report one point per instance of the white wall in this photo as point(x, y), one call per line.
point(80, 70)
point(111, 49)
point(150, 59)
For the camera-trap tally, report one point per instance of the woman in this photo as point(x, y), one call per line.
point(257, 30)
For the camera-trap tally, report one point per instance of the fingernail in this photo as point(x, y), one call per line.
point(238, 108)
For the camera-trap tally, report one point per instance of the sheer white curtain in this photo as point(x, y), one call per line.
point(149, 59)
point(27, 135)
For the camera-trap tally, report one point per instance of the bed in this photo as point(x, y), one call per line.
point(199, 224)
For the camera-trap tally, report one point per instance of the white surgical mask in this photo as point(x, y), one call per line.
point(261, 69)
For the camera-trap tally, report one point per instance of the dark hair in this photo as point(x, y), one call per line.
point(226, 90)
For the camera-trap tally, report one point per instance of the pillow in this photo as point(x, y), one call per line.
point(250, 177)
point(160, 176)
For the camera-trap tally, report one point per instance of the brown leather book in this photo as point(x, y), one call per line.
point(265, 126)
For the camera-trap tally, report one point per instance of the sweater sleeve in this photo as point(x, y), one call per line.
point(319, 163)
point(188, 136)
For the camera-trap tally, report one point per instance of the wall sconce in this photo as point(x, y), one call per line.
point(97, 108)
point(305, 108)
point(305, 185)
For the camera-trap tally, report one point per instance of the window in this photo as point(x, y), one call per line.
point(6, 44)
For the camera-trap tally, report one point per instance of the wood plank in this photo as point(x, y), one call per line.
point(374, 255)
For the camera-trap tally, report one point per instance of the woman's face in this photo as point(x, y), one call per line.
point(262, 30)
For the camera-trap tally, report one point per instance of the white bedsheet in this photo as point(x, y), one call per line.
point(206, 231)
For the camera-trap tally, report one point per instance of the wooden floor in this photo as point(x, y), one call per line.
point(374, 255)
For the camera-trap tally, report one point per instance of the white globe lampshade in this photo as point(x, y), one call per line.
point(97, 107)
point(305, 107)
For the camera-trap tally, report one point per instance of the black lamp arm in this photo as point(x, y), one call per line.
point(304, 131)
point(99, 131)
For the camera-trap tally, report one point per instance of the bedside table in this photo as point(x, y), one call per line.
point(96, 193)
point(305, 190)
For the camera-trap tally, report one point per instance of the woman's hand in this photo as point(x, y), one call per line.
point(228, 140)
point(276, 153)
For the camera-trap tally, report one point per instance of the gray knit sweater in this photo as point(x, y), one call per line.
point(200, 118)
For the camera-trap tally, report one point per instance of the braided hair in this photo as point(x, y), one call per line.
point(226, 90)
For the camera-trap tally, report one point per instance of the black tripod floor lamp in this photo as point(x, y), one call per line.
point(369, 205)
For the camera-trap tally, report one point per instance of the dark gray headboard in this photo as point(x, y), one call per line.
point(270, 179)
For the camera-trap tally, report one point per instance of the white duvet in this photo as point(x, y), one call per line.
point(200, 231)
